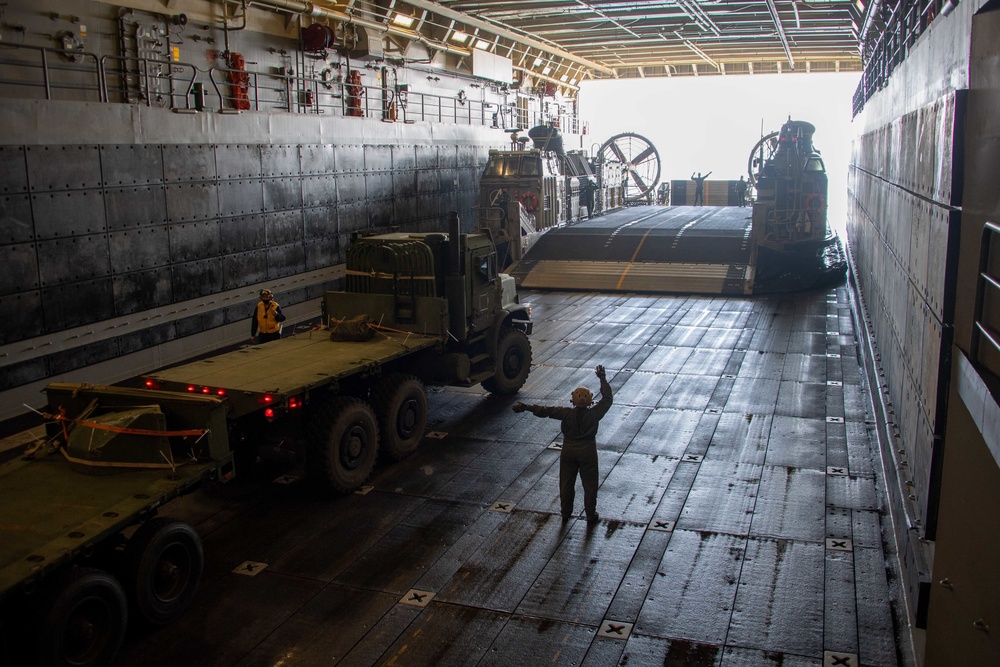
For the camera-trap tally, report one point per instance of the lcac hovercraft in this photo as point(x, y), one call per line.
point(796, 249)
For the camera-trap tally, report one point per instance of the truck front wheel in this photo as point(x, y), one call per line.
point(401, 405)
point(513, 363)
point(84, 623)
point(165, 561)
point(343, 450)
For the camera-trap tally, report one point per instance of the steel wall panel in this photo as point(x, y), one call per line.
point(941, 219)
point(352, 218)
point(189, 162)
point(381, 213)
point(319, 190)
point(321, 253)
point(192, 241)
point(238, 161)
point(379, 185)
point(16, 225)
point(279, 160)
point(20, 268)
point(283, 228)
point(404, 183)
point(405, 210)
point(349, 158)
point(21, 373)
point(350, 188)
point(242, 233)
point(192, 201)
point(448, 180)
point(404, 158)
point(919, 228)
point(432, 206)
point(944, 163)
point(141, 290)
point(131, 164)
point(427, 157)
point(191, 280)
point(428, 181)
point(468, 179)
point(73, 259)
point(83, 356)
point(447, 157)
point(281, 194)
point(200, 323)
point(59, 214)
point(240, 197)
point(24, 316)
point(135, 206)
point(467, 156)
point(137, 249)
point(13, 170)
point(319, 222)
point(151, 337)
point(74, 305)
point(378, 157)
point(63, 168)
point(244, 268)
point(317, 159)
point(286, 260)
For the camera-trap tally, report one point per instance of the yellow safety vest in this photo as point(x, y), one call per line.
point(267, 318)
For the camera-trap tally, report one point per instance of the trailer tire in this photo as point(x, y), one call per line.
point(344, 446)
point(513, 363)
point(84, 620)
point(401, 406)
point(164, 561)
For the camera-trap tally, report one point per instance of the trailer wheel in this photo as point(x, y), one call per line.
point(84, 623)
point(345, 446)
point(513, 363)
point(164, 561)
point(401, 406)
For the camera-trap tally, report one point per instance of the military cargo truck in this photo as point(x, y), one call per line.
point(81, 546)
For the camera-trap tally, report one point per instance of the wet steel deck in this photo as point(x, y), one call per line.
point(739, 500)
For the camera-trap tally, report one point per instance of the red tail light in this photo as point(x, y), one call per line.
point(206, 390)
point(294, 402)
point(152, 384)
point(269, 413)
point(191, 387)
point(220, 392)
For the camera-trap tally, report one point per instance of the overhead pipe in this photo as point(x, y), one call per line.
point(496, 29)
point(781, 32)
point(314, 11)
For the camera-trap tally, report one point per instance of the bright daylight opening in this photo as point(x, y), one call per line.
point(710, 124)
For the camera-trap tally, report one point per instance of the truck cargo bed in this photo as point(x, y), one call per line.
point(294, 364)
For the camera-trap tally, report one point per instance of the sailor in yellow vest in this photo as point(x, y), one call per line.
point(265, 323)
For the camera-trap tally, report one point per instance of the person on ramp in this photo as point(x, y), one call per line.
point(579, 450)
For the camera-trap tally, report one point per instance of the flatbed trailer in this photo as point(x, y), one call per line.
point(273, 373)
point(69, 576)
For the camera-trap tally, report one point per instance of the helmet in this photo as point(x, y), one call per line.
point(582, 397)
point(265, 292)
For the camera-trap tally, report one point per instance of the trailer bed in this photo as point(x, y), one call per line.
point(52, 512)
point(291, 365)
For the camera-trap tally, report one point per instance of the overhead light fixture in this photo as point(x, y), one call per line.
point(564, 78)
point(538, 61)
point(572, 82)
point(547, 71)
point(482, 44)
point(948, 7)
point(404, 20)
point(459, 37)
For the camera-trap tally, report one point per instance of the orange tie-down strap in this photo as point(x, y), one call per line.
point(63, 419)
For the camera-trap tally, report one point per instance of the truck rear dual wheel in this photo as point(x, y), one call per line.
point(164, 560)
point(513, 363)
point(83, 619)
point(344, 446)
point(401, 406)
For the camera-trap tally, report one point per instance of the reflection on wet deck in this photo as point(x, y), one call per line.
point(739, 503)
